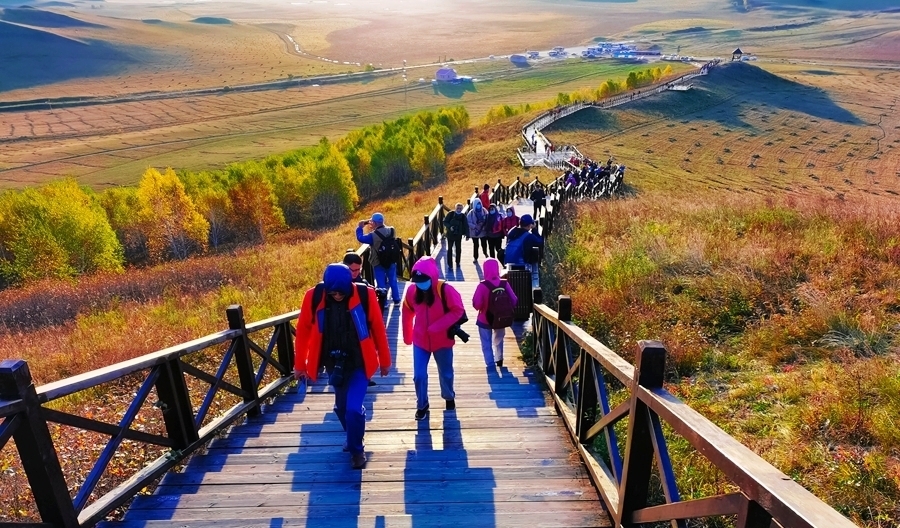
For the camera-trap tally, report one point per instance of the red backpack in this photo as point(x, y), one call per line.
point(500, 310)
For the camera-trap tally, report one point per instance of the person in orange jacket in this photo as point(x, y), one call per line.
point(340, 328)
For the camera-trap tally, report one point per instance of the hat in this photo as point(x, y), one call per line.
point(337, 278)
point(526, 220)
point(378, 217)
point(418, 276)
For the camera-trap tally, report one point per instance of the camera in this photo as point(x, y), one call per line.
point(456, 330)
point(336, 379)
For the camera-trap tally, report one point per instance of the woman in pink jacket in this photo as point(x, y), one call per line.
point(481, 302)
point(426, 326)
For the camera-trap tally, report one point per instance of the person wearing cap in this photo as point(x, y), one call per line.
point(523, 247)
point(342, 332)
point(456, 226)
point(431, 308)
point(384, 277)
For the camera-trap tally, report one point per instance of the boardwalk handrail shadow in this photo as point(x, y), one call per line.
point(240, 373)
point(585, 378)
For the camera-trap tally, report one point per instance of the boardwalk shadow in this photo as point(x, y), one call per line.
point(441, 483)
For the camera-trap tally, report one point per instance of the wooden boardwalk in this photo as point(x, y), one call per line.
point(502, 458)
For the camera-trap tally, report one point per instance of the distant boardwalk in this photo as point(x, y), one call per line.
point(502, 458)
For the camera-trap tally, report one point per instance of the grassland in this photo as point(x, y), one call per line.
point(113, 144)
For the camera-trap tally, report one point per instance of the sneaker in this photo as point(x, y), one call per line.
point(500, 363)
point(358, 460)
point(421, 413)
point(451, 405)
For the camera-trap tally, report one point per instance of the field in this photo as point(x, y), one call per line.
point(120, 50)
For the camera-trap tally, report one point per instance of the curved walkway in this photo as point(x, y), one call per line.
point(539, 151)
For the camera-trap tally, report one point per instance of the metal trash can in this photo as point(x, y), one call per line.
point(520, 280)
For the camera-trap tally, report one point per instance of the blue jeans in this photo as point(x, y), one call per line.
point(348, 405)
point(444, 360)
point(492, 344)
point(385, 278)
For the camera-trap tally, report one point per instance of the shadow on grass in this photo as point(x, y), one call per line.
point(61, 58)
point(749, 86)
point(453, 90)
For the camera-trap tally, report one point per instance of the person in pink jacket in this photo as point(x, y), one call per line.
point(493, 355)
point(427, 327)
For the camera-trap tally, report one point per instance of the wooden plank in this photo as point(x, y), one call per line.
point(728, 504)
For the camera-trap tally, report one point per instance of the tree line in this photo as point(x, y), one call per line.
point(62, 229)
point(635, 79)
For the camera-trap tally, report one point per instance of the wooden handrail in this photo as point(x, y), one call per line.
point(577, 365)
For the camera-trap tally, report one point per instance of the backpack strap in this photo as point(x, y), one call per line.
point(441, 295)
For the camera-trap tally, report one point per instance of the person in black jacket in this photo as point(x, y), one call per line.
point(456, 226)
point(538, 197)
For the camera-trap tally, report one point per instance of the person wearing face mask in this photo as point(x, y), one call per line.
point(494, 229)
point(477, 219)
point(431, 308)
point(510, 220)
point(456, 226)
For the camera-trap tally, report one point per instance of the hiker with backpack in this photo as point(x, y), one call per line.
point(340, 328)
point(385, 252)
point(456, 226)
point(494, 230)
point(523, 247)
point(495, 301)
point(432, 311)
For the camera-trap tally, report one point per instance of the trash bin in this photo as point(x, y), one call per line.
point(520, 280)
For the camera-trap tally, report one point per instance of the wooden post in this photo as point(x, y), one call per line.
point(752, 515)
point(586, 407)
point(634, 488)
point(561, 365)
point(242, 358)
point(285, 346)
point(175, 404)
point(35, 446)
point(537, 295)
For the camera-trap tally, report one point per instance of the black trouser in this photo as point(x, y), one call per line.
point(537, 208)
point(454, 241)
point(484, 246)
point(494, 244)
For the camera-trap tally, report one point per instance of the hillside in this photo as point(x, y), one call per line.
point(61, 58)
point(31, 16)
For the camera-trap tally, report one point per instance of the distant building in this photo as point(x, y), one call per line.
point(737, 54)
point(445, 75)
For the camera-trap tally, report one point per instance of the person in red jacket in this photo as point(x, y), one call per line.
point(342, 331)
point(485, 197)
point(431, 310)
point(510, 220)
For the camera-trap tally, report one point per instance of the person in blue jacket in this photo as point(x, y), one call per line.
point(523, 247)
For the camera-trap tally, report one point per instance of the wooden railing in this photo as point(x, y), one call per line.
point(185, 389)
point(195, 387)
point(595, 389)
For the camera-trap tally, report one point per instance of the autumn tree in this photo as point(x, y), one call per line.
point(57, 230)
point(171, 222)
point(254, 212)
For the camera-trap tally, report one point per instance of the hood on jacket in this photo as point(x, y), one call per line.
point(337, 278)
point(477, 205)
point(491, 270)
point(512, 210)
point(428, 266)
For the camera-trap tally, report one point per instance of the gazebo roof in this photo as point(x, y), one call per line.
point(737, 52)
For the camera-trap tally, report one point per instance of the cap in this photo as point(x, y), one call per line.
point(418, 276)
point(526, 220)
point(378, 217)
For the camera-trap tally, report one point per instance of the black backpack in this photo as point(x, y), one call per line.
point(389, 250)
